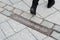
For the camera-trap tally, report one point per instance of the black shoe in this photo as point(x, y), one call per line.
point(50, 4)
point(33, 10)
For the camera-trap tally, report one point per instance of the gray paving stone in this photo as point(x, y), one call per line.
point(23, 35)
point(1, 9)
point(21, 6)
point(6, 28)
point(47, 24)
point(15, 37)
point(15, 1)
point(17, 11)
point(29, 2)
point(6, 2)
point(7, 13)
point(57, 6)
point(2, 4)
point(56, 35)
point(57, 28)
point(3, 18)
point(16, 26)
point(38, 35)
point(9, 7)
point(49, 38)
point(44, 11)
point(1, 35)
point(36, 19)
point(55, 18)
point(26, 15)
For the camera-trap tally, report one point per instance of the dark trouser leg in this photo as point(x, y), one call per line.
point(35, 3)
point(50, 3)
point(34, 6)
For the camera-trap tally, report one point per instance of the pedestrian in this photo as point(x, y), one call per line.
point(35, 3)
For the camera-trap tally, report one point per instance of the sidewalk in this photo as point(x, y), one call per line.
point(10, 29)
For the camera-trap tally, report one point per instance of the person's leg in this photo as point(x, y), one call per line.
point(50, 3)
point(33, 7)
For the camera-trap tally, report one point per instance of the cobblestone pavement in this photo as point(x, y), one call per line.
point(15, 20)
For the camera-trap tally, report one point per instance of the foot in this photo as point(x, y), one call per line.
point(50, 4)
point(33, 10)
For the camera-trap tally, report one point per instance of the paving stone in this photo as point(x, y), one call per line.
point(23, 35)
point(3, 18)
point(9, 8)
point(7, 13)
point(1, 9)
point(38, 15)
point(26, 15)
point(57, 28)
point(17, 11)
point(36, 19)
point(29, 2)
point(1, 35)
point(57, 4)
point(26, 35)
point(49, 38)
point(56, 35)
point(6, 2)
point(15, 37)
point(44, 11)
point(47, 24)
point(38, 35)
point(6, 28)
point(55, 18)
point(2, 4)
point(15, 1)
point(16, 26)
point(21, 6)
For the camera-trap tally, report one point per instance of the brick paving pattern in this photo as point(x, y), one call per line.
point(15, 20)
